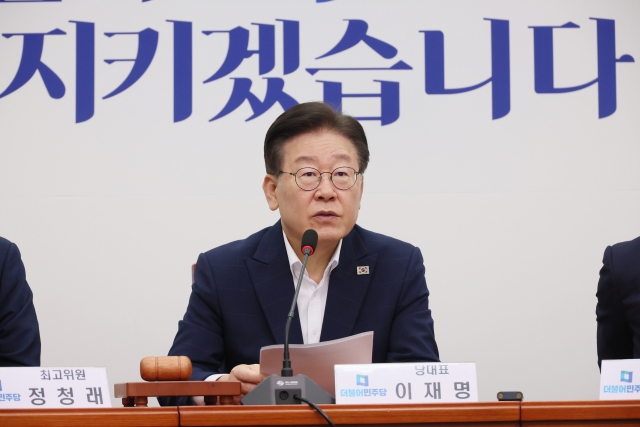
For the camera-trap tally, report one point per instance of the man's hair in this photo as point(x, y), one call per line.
point(307, 118)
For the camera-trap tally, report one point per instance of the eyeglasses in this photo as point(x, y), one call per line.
point(343, 178)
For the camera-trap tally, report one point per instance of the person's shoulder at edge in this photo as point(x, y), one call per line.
point(628, 247)
point(5, 245)
point(9, 252)
point(21, 336)
point(624, 257)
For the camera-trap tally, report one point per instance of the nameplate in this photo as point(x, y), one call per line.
point(54, 388)
point(406, 383)
point(620, 379)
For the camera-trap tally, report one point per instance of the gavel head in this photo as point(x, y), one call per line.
point(165, 368)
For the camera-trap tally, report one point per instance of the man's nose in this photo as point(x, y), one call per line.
point(325, 190)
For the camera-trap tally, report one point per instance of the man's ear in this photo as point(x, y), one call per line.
point(269, 186)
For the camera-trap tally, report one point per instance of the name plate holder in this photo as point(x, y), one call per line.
point(39, 387)
point(620, 379)
point(378, 383)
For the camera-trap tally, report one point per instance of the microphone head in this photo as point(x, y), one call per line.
point(309, 241)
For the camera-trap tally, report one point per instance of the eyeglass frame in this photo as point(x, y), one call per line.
point(295, 178)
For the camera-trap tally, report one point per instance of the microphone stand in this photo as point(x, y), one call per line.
point(286, 361)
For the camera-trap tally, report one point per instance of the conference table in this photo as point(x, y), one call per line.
point(485, 414)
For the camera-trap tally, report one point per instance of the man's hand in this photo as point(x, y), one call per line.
point(249, 377)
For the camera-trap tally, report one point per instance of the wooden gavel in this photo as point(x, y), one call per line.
point(167, 376)
point(165, 368)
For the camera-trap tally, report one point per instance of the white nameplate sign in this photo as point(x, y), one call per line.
point(620, 379)
point(406, 383)
point(54, 388)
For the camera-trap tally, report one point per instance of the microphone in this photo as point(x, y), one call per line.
point(287, 389)
point(309, 243)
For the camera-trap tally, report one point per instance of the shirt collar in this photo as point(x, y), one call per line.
point(296, 264)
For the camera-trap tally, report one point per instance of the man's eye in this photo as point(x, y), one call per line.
point(308, 174)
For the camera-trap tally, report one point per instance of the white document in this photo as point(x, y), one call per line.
point(317, 360)
point(620, 379)
point(54, 388)
point(418, 382)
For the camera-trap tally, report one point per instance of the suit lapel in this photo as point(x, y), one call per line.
point(347, 289)
point(273, 282)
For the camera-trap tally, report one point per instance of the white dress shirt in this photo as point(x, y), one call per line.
point(313, 296)
point(312, 300)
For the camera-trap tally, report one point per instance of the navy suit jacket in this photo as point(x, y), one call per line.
point(19, 332)
point(618, 308)
point(243, 292)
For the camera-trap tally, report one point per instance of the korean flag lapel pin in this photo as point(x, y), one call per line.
point(362, 270)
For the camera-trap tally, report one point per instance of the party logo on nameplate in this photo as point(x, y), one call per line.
point(54, 388)
point(406, 383)
point(620, 379)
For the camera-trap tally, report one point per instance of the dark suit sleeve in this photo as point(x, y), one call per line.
point(412, 338)
point(615, 339)
point(200, 334)
point(19, 331)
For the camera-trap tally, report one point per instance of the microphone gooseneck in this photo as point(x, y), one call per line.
point(309, 243)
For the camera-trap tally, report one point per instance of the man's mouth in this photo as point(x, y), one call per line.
point(325, 215)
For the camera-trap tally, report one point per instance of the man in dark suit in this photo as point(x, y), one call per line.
point(618, 308)
point(356, 280)
point(19, 332)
